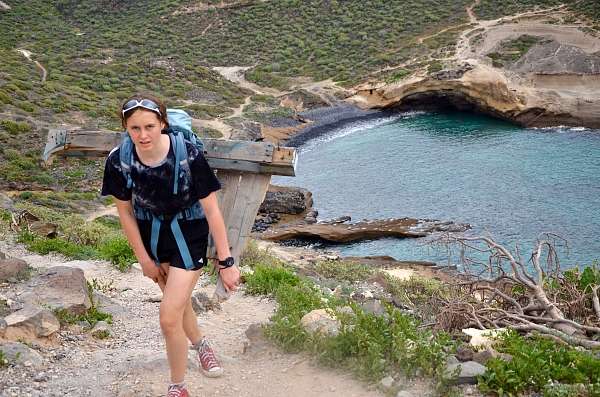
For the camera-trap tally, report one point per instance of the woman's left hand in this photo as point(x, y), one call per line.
point(230, 277)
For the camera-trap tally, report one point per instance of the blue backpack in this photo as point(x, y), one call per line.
point(181, 124)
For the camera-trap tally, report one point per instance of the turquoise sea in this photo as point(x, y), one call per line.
point(505, 181)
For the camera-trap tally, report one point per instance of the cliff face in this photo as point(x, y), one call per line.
point(539, 100)
point(529, 72)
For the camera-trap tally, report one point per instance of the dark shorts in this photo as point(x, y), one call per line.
point(195, 233)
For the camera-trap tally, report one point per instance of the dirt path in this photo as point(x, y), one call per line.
point(235, 74)
point(132, 362)
point(27, 54)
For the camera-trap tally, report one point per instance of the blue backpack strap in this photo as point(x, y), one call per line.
point(181, 244)
point(126, 158)
point(154, 238)
point(181, 158)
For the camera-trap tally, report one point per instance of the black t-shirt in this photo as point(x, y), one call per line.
point(153, 186)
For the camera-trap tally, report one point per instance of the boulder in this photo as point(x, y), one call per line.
point(468, 372)
point(286, 200)
point(320, 321)
point(21, 354)
point(13, 268)
point(30, 323)
point(465, 353)
point(365, 230)
point(60, 287)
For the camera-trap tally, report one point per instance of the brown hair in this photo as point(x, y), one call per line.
point(139, 97)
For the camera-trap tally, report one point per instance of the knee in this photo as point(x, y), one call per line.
point(171, 320)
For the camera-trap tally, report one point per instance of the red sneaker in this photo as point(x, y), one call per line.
point(177, 391)
point(209, 365)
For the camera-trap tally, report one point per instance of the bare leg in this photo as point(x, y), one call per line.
point(190, 321)
point(176, 296)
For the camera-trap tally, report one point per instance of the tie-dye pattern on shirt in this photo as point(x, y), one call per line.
point(153, 186)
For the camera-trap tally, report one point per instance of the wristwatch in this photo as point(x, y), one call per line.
point(227, 262)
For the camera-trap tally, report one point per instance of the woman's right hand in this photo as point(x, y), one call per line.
point(150, 269)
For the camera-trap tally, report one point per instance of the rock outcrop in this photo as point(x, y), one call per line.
point(344, 233)
point(553, 82)
point(286, 200)
point(60, 287)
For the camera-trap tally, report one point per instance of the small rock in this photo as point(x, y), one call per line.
point(469, 371)
point(41, 377)
point(19, 353)
point(387, 382)
point(404, 393)
point(322, 322)
point(361, 296)
point(482, 357)
point(154, 298)
point(452, 360)
point(31, 322)
point(373, 306)
point(465, 353)
point(101, 330)
point(12, 269)
point(202, 303)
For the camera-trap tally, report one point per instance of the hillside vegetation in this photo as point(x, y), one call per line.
point(98, 52)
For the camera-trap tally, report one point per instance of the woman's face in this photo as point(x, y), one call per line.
point(144, 127)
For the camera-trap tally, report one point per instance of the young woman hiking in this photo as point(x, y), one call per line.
point(156, 222)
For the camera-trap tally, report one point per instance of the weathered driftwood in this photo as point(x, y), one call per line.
point(525, 295)
point(244, 169)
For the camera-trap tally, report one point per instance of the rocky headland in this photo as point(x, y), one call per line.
point(525, 69)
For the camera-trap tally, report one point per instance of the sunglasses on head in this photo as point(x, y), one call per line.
point(141, 103)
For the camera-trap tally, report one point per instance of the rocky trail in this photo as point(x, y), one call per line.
point(132, 361)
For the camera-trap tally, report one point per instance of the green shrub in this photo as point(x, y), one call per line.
point(266, 280)
point(44, 246)
point(3, 360)
point(118, 252)
point(15, 127)
point(254, 256)
point(343, 270)
point(537, 363)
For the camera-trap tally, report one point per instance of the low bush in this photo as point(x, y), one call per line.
point(536, 365)
point(117, 250)
point(343, 270)
point(267, 280)
point(15, 127)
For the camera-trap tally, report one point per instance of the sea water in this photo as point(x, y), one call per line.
point(507, 182)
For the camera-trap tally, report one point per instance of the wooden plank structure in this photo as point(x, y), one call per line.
point(244, 169)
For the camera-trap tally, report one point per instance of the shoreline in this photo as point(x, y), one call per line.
point(327, 118)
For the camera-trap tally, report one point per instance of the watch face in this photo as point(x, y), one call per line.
point(228, 262)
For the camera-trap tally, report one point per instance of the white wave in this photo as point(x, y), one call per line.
point(354, 127)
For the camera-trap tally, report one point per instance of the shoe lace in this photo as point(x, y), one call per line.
point(175, 391)
point(207, 356)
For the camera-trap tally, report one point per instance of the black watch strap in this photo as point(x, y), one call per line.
point(227, 262)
